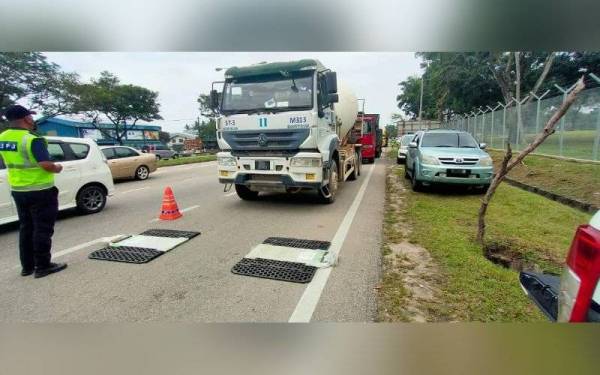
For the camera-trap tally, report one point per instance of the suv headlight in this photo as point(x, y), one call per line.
point(427, 159)
point(305, 162)
point(486, 161)
point(226, 161)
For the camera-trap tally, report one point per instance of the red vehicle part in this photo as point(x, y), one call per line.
point(369, 137)
point(580, 277)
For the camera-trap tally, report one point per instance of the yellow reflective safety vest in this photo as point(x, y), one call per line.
point(24, 173)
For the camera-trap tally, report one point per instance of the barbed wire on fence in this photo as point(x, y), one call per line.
point(518, 122)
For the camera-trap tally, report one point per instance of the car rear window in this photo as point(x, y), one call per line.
point(109, 153)
point(56, 152)
point(79, 150)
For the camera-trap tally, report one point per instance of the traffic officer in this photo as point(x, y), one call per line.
point(31, 179)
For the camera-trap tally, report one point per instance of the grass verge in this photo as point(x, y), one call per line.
point(564, 177)
point(186, 160)
point(528, 227)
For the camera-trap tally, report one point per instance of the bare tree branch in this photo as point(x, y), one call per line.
point(542, 77)
point(508, 164)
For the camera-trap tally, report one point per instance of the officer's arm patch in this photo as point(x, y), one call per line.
point(8, 146)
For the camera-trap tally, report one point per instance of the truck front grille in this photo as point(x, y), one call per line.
point(279, 139)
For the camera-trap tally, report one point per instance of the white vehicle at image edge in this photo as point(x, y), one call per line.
point(85, 181)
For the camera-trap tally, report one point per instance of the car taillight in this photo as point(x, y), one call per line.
point(581, 275)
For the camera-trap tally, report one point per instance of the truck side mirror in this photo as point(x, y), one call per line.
point(331, 82)
point(214, 99)
point(333, 98)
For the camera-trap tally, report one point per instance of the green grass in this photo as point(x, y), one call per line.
point(186, 160)
point(564, 177)
point(578, 144)
point(476, 289)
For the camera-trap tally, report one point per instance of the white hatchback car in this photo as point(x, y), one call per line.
point(85, 181)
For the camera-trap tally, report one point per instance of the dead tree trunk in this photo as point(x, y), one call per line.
point(508, 164)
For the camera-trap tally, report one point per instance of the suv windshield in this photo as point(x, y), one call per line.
point(448, 140)
point(269, 93)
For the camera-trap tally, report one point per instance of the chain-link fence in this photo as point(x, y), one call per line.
point(577, 134)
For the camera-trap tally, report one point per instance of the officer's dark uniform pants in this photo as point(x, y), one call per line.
point(37, 212)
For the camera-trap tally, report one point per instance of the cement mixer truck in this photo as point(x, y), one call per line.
point(286, 127)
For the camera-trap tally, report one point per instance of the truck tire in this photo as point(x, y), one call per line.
point(356, 172)
point(332, 186)
point(245, 193)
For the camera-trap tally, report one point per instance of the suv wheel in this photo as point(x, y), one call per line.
point(91, 199)
point(142, 172)
point(414, 183)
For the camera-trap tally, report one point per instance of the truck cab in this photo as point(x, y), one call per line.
point(369, 138)
point(281, 128)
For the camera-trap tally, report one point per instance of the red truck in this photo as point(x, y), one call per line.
point(574, 296)
point(370, 149)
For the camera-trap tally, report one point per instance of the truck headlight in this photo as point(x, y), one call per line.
point(486, 161)
point(305, 162)
point(226, 161)
point(431, 160)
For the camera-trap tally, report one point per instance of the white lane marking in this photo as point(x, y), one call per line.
point(230, 194)
point(182, 211)
point(132, 190)
point(310, 298)
point(102, 240)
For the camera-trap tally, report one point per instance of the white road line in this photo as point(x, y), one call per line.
point(182, 211)
point(310, 298)
point(102, 240)
point(230, 194)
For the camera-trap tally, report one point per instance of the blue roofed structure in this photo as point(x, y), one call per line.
point(137, 136)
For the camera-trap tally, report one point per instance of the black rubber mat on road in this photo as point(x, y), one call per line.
point(275, 270)
point(126, 254)
point(170, 233)
point(298, 243)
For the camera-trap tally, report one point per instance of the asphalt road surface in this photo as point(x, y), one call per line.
point(193, 282)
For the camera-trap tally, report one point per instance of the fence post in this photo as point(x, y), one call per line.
point(597, 138)
point(492, 127)
point(562, 120)
point(537, 110)
point(504, 121)
point(519, 120)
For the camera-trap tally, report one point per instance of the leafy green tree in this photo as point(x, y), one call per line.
point(29, 76)
point(123, 105)
point(205, 130)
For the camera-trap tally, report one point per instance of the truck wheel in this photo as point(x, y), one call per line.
point(332, 186)
point(246, 194)
point(356, 172)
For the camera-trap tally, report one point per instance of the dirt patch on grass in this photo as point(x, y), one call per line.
point(509, 255)
point(410, 286)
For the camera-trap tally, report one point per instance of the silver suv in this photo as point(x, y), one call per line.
point(163, 152)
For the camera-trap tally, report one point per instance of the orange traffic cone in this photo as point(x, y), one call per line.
point(169, 210)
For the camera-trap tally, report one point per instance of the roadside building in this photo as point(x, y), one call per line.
point(178, 140)
point(138, 136)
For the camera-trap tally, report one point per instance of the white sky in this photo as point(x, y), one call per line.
point(179, 77)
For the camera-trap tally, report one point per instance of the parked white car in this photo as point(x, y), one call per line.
point(85, 181)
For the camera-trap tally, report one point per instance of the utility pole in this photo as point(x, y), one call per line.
point(421, 102)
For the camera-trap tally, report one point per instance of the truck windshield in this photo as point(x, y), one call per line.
point(449, 140)
point(269, 93)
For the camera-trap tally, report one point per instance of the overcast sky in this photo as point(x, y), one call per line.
point(180, 77)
